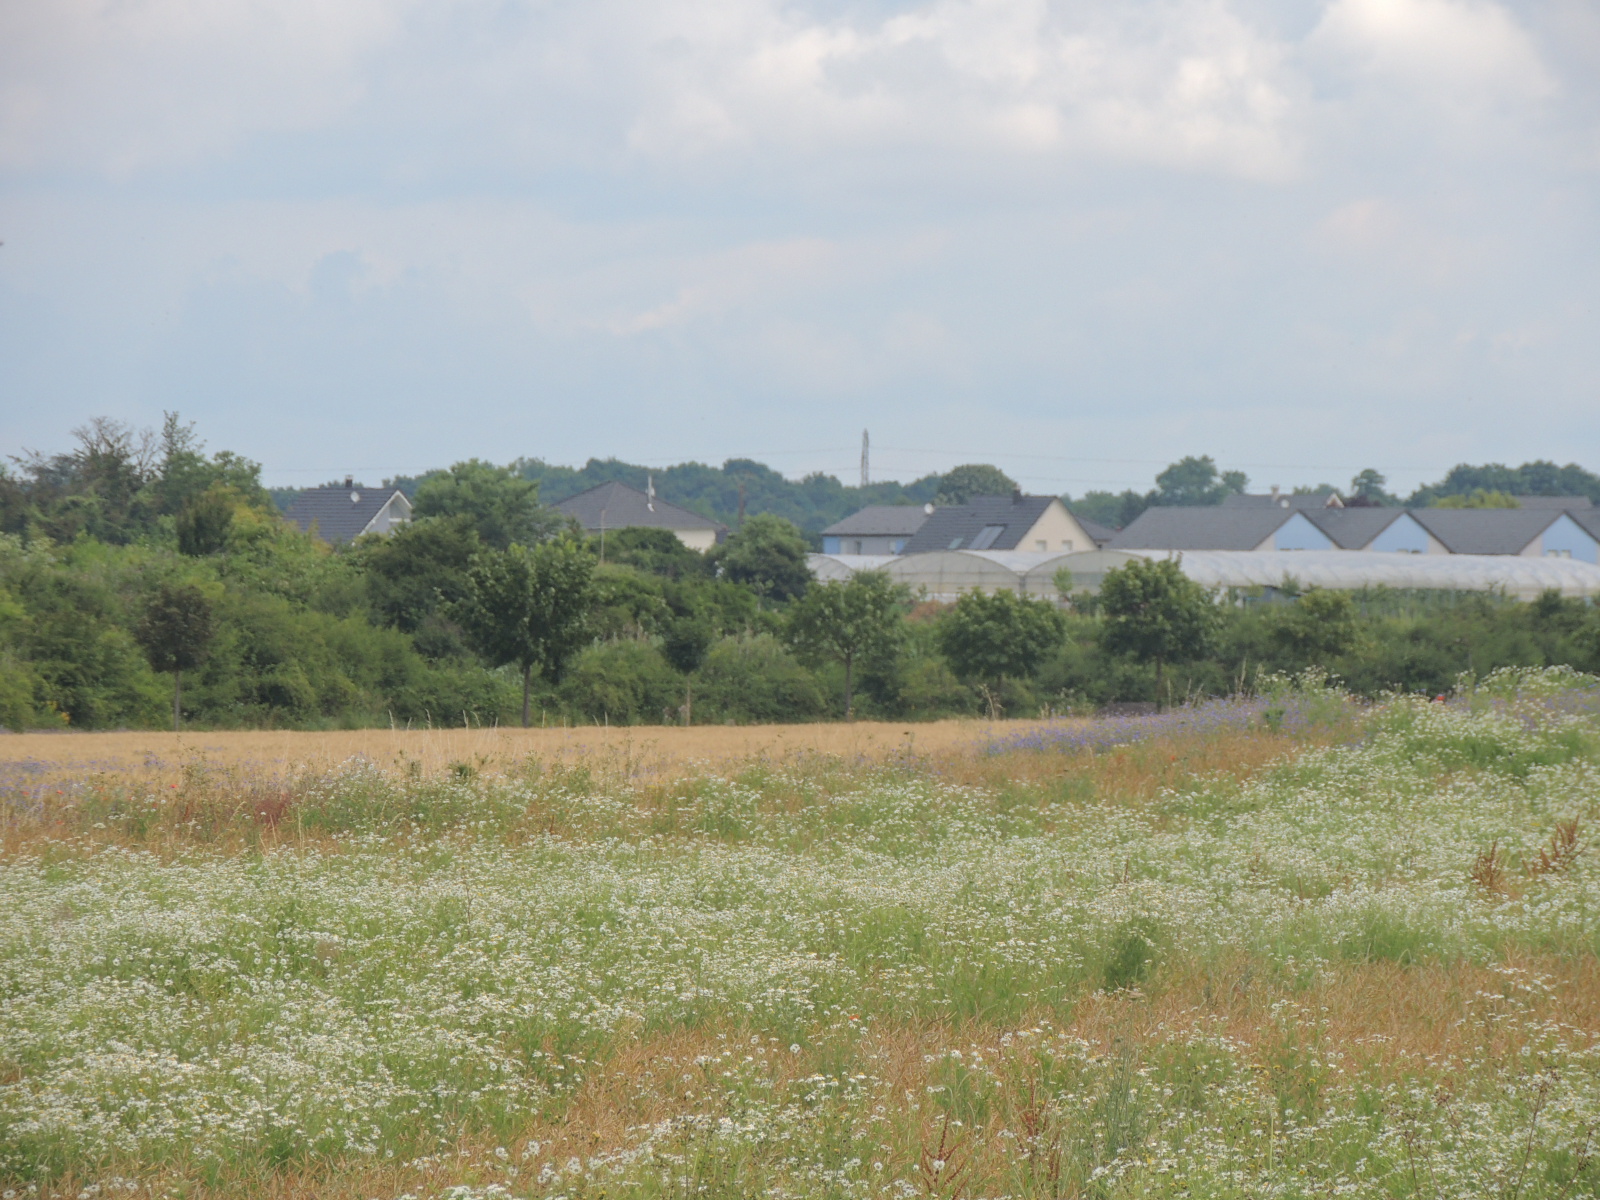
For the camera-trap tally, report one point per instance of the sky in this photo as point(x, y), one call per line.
point(1075, 238)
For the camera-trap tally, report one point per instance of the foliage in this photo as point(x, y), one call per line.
point(754, 678)
point(1316, 628)
point(851, 622)
point(1156, 613)
point(176, 629)
point(502, 507)
point(1195, 480)
point(416, 573)
point(768, 556)
point(1367, 490)
point(1530, 479)
point(987, 638)
point(1478, 498)
point(961, 485)
point(528, 607)
point(623, 683)
point(204, 521)
point(653, 551)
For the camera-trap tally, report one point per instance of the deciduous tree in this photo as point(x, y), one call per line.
point(1156, 613)
point(987, 638)
point(175, 633)
point(768, 556)
point(849, 622)
point(528, 606)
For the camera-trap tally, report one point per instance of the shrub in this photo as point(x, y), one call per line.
point(623, 683)
point(754, 679)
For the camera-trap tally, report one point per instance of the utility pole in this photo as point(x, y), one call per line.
point(865, 476)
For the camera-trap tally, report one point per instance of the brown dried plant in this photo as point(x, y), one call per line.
point(1489, 869)
point(1560, 852)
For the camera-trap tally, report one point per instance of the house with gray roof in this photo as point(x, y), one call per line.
point(1031, 524)
point(1532, 532)
point(613, 506)
point(1222, 527)
point(875, 529)
point(342, 514)
point(1392, 530)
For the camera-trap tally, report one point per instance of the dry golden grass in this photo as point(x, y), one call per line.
point(647, 750)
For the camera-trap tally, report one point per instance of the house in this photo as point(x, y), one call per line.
point(342, 514)
point(1392, 530)
point(1531, 532)
point(876, 529)
point(1222, 527)
point(612, 506)
point(1031, 524)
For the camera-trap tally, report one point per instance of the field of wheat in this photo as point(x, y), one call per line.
point(1290, 946)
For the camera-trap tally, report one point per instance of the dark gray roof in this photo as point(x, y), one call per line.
point(966, 526)
point(1209, 527)
point(1569, 503)
point(340, 514)
point(1282, 500)
point(618, 506)
point(1486, 530)
point(1353, 528)
point(1100, 533)
point(1588, 520)
point(880, 520)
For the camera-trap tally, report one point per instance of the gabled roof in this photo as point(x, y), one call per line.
point(1209, 527)
point(1100, 533)
point(983, 523)
point(1304, 500)
point(1486, 530)
point(1353, 528)
point(880, 520)
point(341, 514)
point(618, 506)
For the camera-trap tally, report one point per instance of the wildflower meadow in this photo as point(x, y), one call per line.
point(1290, 946)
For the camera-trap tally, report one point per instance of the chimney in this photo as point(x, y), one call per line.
point(350, 481)
point(1016, 495)
point(1274, 493)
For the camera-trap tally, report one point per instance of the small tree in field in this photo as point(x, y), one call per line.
point(175, 633)
point(1156, 613)
point(987, 638)
point(528, 607)
point(849, 622)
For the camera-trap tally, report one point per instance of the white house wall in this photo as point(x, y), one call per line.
point(1060, 532)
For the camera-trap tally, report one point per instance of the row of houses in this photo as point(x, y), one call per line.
point(1544, 526)
point(996, 541)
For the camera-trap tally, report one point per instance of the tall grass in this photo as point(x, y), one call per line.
point(1247, 960)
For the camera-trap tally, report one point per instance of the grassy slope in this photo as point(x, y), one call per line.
point(1211, 963)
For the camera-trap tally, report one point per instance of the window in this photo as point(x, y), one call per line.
point(987, 537)
point(1066, 544)
point(1558, 553)
point(855, 546)
point(955, 544)
point(1041, 545)
point(899, 545)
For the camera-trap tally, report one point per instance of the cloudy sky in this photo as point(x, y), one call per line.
point(1078, 238)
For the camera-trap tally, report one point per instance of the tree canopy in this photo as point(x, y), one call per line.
point(963, 484)
point(768, 556)
point(850, 622)
point(503, 507)
point(1155, 613)
point(991, 637)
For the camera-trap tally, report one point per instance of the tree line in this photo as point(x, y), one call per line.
point(146, 582)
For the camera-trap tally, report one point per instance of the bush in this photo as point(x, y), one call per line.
point(623, 683)
point(748, 680)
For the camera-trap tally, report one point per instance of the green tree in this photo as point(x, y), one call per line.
point(1194, 480)
point(175, 633)
point(853, 622)
point(654, 551)
point(503, 507)
point(987, 638)
point(961, 484)
point(1155, 613)
point(204, 521)
point(1367, 489)
point(1320, 625)
point(528, 606)
point(768, 556)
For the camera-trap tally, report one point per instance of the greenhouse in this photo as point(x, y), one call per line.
point(946, 574)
